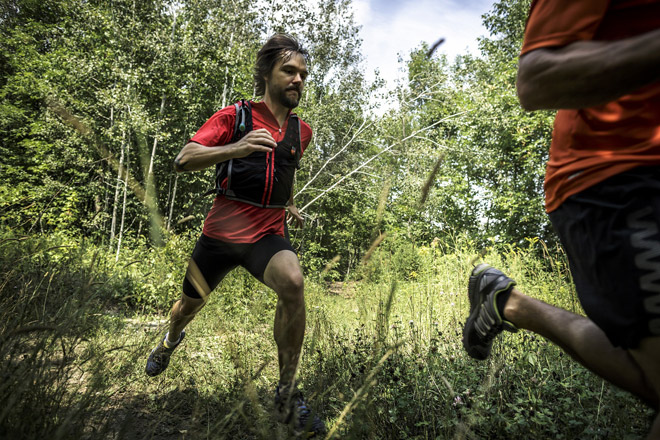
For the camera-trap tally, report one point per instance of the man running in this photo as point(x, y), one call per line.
point(256, 147)
point(598, 61)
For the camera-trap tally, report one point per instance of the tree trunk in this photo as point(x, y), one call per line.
point(226, 87)
point(117, 186)
point(153, 149)
point(162, 105)
point(123, 211)
point(169, 217)
point(113, 224)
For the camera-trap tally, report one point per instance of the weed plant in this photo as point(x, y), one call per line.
point(382, 357)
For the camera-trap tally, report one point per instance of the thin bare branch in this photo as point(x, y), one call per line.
point(375, 156)
point(341, 150)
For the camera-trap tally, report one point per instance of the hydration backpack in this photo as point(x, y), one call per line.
point(260, 179)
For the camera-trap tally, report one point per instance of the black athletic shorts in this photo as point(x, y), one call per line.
point(215, 258)
point(611, 234)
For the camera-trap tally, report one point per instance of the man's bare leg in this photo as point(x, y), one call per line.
point(284, 275)
point(647, 356)
point(183, 311)
point(637, 371)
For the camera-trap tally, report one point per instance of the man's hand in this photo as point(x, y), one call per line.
point(295, 215)
point(256, 140)
point(195, 157)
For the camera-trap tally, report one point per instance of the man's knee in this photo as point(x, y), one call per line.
point(189, 306)
point(290, 286)
point(647, 357)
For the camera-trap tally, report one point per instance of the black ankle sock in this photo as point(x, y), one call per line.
point(501, 300)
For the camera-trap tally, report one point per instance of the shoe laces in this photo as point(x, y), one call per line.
point(492, 332)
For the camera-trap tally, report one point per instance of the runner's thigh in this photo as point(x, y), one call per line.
point(215, 259)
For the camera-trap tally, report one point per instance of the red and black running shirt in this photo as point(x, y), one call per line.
point(233, 221)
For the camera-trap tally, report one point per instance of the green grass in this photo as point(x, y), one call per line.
point(382, 357)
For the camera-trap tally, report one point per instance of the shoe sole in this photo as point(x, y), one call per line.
point(472, 285)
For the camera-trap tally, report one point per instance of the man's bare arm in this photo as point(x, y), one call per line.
point(293, 211)
point(587, 73)
point(195, 156)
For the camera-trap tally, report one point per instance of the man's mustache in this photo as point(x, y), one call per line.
point(297, 89)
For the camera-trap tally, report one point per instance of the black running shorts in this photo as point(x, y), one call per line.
point(215, 258)
point(611, 234)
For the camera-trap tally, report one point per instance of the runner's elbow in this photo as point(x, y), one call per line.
point(180, 163)
point(527, 99)
point(182, 159)
point(529, 86)
point(527, 93)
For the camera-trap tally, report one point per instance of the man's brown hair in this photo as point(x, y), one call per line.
point(278, 47)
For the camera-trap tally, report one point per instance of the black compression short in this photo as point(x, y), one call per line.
point(215, 258)
point(611, 234)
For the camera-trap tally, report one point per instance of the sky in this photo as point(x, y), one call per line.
point(395, 27)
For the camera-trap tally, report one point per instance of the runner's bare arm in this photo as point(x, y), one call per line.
point(195, 156)
point(294, 213)
point(587, 73)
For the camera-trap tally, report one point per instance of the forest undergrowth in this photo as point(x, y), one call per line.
point(382, 356)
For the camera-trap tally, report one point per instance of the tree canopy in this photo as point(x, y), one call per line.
point(97, 98)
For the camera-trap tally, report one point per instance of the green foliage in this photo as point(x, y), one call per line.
point(462, 144)
point(382, 358)
point(92, 116)
point(55, 372)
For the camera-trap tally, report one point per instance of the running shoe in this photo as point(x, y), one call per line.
point(485, 320)
point(292, 409)
point(159, 358)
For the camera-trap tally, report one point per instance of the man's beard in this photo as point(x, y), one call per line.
point(287, 101)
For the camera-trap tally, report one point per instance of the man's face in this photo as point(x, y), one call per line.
point(287, 79)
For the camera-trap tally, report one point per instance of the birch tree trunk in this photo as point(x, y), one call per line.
point(123, 211)
point(162, 104)
point(153, 149)
point(117, 188)
point(113, 224)
point(169, 217)
point(226, 86)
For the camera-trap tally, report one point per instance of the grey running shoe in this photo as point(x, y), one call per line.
point(159, 358)
point(485, 321)
point(292, 409)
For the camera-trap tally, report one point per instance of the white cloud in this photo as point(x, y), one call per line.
point(391, 28)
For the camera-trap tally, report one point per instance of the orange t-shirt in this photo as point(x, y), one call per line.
point(591, 144)
point(230, 220)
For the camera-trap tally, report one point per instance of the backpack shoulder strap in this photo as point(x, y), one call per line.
point(299, 149)
point(237, 106)
point(243, 122)
point(242, 125)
